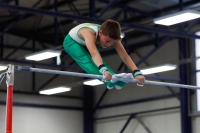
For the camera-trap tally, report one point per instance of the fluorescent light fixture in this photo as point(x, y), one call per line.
point(177, 17)
point(93, 82)
point(3, 67)
point(122, 35)
point(55, 90)
point(42, 55)
point(157, 69)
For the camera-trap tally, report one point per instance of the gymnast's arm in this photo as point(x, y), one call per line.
point(90, 39)
point(124, 56)
point(127, 60)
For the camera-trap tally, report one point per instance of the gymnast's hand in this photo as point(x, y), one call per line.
point(140, 79)
point(107, 76)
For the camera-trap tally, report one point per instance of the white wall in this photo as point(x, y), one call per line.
point(196, 124)
point(40, 120)
point(157, 122)
point(31, 120)
point(165, 122)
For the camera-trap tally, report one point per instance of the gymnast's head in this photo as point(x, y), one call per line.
point(109, 33)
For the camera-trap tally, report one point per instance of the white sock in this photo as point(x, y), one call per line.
point(118, 87)
point(110, 87)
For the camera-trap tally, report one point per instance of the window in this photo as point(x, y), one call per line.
point(197, 53)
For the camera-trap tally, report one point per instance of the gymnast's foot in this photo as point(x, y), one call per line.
point(110, 87)
point(118, 87)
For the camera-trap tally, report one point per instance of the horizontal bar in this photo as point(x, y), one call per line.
point(29, 69)
point(94, 20)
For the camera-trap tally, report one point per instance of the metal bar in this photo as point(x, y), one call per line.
point(1, 46)
point(74, 12)
point(117, 15)
point(158, 30)
point(47, 82)
point(18, 48)
point(151, 52)
point(125, 15)
point(137, 113)
point(122, 6)
point(33, 74)
point(126, 124)
point(142, 123)
point(9, 27)
point(75, 9)
point(178, 97)
point(141, 12)
point(50, 7)
point(132, 47)
point(29, 69)
point(9, 98)
point(185, 119)
point(169, 79)
point(14, 47)
point(100, 100)
point(136, 101)
point(9, 109)
point(44, 28)
point(55, 24)
point(88, 122)
point(15, 22)
point(192, 24)
point(111, 3)
point(81, 18)
point(92, 8)
point(122, 63)
point(150, 37)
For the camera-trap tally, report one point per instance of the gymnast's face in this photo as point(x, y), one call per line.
point(105, 41)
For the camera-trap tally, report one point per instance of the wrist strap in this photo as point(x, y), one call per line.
point(136, 73)
point(102, 68)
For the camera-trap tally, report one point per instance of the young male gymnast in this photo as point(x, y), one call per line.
point(81, 44)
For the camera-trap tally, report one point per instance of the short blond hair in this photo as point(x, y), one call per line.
point(112, 29)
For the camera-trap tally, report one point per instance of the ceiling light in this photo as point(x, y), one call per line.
point(55, 90)
point(42, 55)
point(157, 69)
point(93, 82)
point(122, 35)
point(177, 17)
point(3, 67)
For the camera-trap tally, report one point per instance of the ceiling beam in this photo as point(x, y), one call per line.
point(89, 19)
